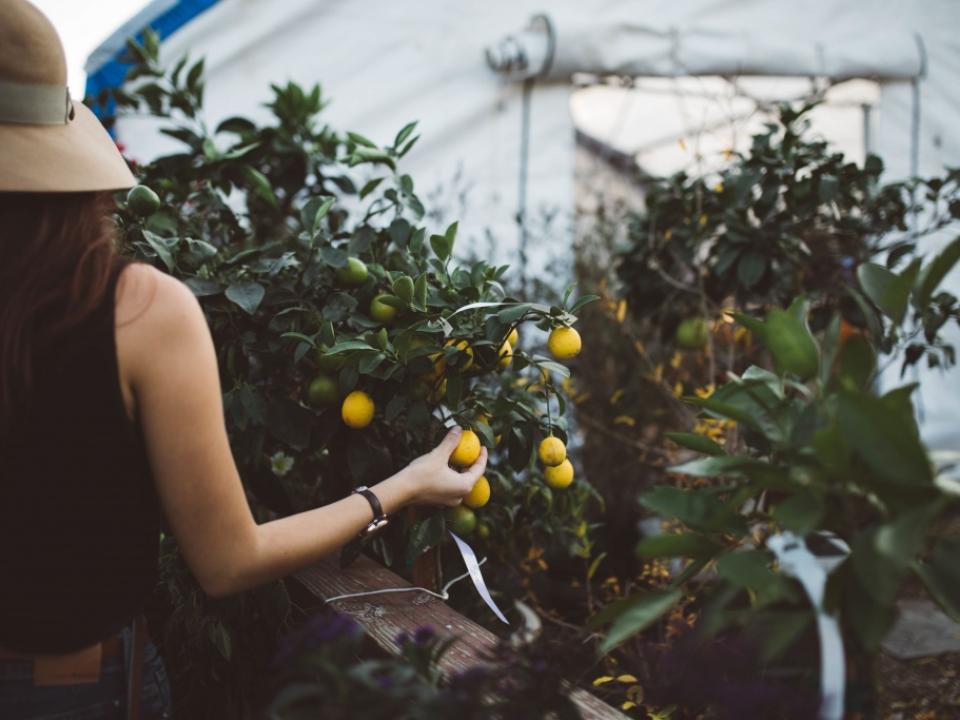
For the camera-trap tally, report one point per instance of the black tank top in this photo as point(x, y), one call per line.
point(79, 515)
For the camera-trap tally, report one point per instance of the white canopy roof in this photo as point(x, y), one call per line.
point(385, 63)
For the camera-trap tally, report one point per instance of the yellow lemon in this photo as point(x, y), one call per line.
point(357, 409)
point(479, 495)
point(506, 354)
point(564, 343)
point(560, 476)
point(552, 451)
point(467, 450)
point(514, 337)
point(464, 347)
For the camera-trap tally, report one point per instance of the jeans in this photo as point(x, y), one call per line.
point(103, 700)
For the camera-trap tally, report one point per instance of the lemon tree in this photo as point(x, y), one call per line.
point(349, 335)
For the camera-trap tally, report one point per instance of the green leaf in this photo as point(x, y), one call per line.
point(697, 442)
point(261, 185)
point(635, 614)
point(369, 187)
point(289, 422)
point(856, 362)
point(420, 292)
point(889, 291)
point(746, 568)
point(790, 341)
point(669, 545)
point(886, 441)
point(361, 140)
point(933, 273)
point(698, 509)
point(193, 76)
point(161, 248)
point(404, 288)
point(425, 534)
point(247, 295)
point(750, 268)
point(321, 213)
point(941, 576)
point(368, 155)
point(775, 631)
point(801, 512)
point(441, 245)
point(404, 133)
point(349, 346)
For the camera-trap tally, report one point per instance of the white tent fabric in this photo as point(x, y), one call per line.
point(385, 63)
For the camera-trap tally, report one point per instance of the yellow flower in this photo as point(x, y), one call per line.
point(706, 391)
point(621, 311)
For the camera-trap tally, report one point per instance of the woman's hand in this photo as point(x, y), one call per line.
point(431, 479)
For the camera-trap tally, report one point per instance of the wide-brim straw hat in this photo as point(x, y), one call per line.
point(48, 142)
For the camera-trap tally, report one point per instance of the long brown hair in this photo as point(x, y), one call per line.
point(56, 256)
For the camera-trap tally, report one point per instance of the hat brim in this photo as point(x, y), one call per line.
point(77, 157)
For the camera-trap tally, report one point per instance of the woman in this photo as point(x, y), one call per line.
point(111, 419)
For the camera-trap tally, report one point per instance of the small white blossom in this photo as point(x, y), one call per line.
point(280, 463)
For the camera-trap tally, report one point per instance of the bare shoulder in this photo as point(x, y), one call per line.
point(157, 319)
point(149, 300)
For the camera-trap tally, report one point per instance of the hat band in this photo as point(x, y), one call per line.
point(34, 104)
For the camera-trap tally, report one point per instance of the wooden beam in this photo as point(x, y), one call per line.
point(385, 616)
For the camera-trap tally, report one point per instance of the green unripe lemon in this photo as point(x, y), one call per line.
point(328, 363)
point(142, 200)
point(462, 520)
point(353, 273)
point(380, 311)
point(693, 333)
point(323, 390)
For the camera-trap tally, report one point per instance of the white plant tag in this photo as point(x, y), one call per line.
point(473, 567)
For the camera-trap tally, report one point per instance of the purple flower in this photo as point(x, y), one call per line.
point(322, 629)
point(424, 634)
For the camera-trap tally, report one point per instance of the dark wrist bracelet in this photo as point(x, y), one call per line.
point(379, 519)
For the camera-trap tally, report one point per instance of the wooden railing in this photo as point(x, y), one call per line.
point(385, 616)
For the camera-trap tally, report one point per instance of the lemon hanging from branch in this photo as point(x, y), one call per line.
point(357, 409)
point(564, 343)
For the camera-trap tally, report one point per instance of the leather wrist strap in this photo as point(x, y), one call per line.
point(379, 519)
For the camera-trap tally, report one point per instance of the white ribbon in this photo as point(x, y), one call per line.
point(473, 567)
point(811, 570)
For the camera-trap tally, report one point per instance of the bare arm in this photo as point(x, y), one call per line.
point(167, 359)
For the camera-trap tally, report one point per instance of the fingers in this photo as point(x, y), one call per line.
point(449, 443)
point(477, 469)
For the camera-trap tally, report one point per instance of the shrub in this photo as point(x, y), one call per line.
point(306, 249)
